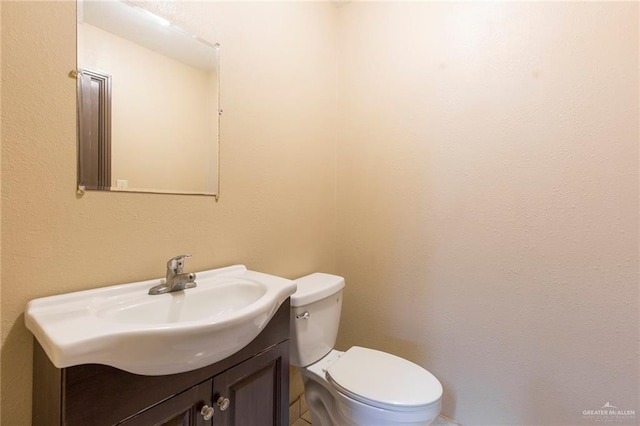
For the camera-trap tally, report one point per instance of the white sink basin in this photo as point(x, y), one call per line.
point(124, 327)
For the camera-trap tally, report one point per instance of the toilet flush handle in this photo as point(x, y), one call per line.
point(304, 315)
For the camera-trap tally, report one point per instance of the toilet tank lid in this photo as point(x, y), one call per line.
point(314, 287)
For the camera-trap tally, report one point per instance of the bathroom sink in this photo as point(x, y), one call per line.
point(219, 301)
point(124, 327)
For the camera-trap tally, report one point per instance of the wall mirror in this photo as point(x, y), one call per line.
point(148, 103)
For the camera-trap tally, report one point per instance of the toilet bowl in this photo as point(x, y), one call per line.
point(361, 386)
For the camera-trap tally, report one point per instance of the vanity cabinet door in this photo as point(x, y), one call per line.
point(255, 392)
point(183, 409)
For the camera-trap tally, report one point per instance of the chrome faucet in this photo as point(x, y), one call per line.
point(176, 278)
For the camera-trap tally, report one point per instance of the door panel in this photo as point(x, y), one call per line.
point(181, 410)
point(257, 391)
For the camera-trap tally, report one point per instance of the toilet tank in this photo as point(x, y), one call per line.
point(315, 317)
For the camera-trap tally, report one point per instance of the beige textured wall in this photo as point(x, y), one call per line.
point(0, 201)
point(276, 212)
point(488, 201)
point(147, 89)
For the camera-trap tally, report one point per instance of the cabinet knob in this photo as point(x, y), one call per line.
point(207, 412)
point(223, 403)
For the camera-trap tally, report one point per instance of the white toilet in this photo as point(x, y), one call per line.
point(362, 387)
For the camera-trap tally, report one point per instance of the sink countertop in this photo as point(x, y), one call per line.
point(124, 327)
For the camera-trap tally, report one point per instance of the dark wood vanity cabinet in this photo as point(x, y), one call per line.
point(250, 388)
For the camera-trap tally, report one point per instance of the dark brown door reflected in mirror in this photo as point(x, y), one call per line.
point(94, 129)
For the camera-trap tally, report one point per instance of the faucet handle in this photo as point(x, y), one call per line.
point(176, 265)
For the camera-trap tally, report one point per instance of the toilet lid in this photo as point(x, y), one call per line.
point(383, 380)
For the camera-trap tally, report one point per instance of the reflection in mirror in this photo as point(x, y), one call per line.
point(148, 103)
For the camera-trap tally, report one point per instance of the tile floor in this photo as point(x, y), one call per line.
point(444, 421)
point(299, 415)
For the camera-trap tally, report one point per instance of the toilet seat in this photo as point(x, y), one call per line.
point(383, 380)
